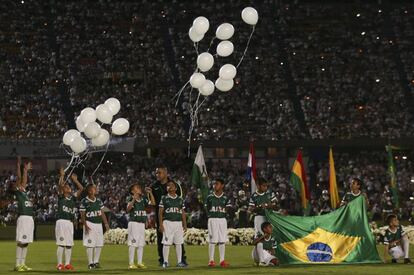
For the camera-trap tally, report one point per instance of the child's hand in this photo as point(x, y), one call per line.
point(162, 228)
point(148, 189)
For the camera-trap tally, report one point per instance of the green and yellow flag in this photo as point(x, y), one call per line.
point(333, 188)
point(342, 236)
point(393, 178)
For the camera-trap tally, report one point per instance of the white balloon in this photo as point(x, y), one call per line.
point(69, 136)
point(250, 16)
point(224, 85)
point(113, 105)
point(80, 124)
point(102, 139)
point(92, 129)
point(225, 48)
point(197, 80)
point(201, 25)
point(103, 114)
point(207, 89)
point(227, 72)
point(120, 126)
point(195, 36)
point(225, 31)
point(205, 61)
point(78, 145)
point(88, 115)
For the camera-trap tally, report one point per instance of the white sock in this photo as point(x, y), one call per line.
point(179, 252)
point(140, 253)
point(165, 252)
point(259, 249)
point(59, 253)
point(131, 254)
point(222, 251)
point(89, 252)
point(97, 254)
point(24, 253)
point(211, 248)
point(18, 255)
point(68, 255)
point(406, 246)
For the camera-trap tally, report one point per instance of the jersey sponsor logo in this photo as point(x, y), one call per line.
point(173, 210)
point(68, 209)
point(140, 213)
point(93, 214)
point(218, 209)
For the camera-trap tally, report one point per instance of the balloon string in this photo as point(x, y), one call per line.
point(99, 165)
point(211, 43)
point(178, 94)
point(196, 47)
point(247, 46)
point(70, 163)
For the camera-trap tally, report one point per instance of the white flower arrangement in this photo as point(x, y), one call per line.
point(237, 236)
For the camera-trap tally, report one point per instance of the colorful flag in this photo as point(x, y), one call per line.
point(393, 178)
point(251, 169)
point(342, 236)
point(299, 182)
point(199, 173)
point(333, 188)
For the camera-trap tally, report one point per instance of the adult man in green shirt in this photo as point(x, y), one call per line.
point(64, 220)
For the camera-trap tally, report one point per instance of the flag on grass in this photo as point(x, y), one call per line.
point(299, 182)
point(342, 236)
point(333, 188)
point(199, 173)
point(393, 178)
point(251, 175)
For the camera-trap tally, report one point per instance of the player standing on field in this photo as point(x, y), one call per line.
point(25, 223)
point(216, 204)
point(136, 207)
point(92, 217)
point(259, 201)
point(64, 220)
point(173, 223)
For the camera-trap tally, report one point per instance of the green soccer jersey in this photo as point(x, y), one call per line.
point(393, 236)
point(92, 209)
point(268, 244)
point(258, 199)
point(173, 208)
point(349, 196)
point(66, 208)
point(216, 205)
point(138, 212)
point(24, 205)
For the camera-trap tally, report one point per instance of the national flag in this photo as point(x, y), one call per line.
point(199, 173)
point(333, 188)
point(299, 182)
point(342, 236)
point(251, 169)
point(393, 177)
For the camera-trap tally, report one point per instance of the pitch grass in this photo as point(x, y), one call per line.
point(114, 260)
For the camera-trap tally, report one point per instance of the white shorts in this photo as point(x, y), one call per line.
point(267, 257)
point(217, 230)
point(173, 233)
point(136, 234)
point(258, 220)
point(64, 232)
point(95, 236)
point(24, 229)
point(396, 252)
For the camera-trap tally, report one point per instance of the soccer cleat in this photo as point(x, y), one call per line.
point(224, 264)
point(181, 264)
point(394, 261)
point(91, 266)
point(69, 267)
point(132, 266)
point(26, 268)
point(407, 261)
point(141, 266)
point(97, 265)
point(60, 267)
point(19, 268)
point(263, 264)
point(165, 265)
point(211, 263)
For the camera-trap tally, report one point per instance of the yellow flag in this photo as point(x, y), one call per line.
point(333, 188)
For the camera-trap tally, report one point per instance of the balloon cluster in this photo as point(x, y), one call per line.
point(205, 61)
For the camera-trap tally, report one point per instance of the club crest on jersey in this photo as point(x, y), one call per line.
point(61, 238)
point(24, 236)
point(28, 204)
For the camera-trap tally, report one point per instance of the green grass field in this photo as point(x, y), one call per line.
point(114, 260)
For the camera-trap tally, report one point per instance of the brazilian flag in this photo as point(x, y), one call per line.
point(342, 236)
